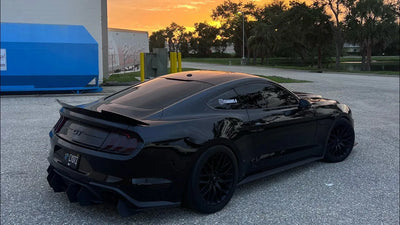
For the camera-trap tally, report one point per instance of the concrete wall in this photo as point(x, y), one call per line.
point(124, 48)
point(92, 14)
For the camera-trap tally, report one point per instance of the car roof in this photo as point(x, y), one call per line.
point(208, 76)
point(160, 96)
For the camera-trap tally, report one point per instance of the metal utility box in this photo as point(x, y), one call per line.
point(156, 63)
point(43, 57)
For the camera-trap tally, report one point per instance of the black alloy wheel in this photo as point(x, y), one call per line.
point(340, 141)
point(213, 180)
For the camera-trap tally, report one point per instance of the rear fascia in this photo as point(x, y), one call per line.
point(153, 173)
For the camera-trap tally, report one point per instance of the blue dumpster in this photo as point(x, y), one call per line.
point(43, 57)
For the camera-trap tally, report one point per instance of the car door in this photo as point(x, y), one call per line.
point(278, 132)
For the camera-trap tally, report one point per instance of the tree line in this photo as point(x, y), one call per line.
point(311, 33)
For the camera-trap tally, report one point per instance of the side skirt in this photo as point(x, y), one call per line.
point(276, 170)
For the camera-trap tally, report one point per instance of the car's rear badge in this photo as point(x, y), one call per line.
point(77, 132)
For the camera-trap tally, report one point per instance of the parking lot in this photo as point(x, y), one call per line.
point(364, 189)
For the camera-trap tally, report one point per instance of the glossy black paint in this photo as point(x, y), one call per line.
point(144, 156)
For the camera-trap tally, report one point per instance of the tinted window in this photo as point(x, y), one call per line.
point(226, 100)
point(157, 93)
point(276, 96)
point(250, 96)
point(244, 97)
point(254, 96)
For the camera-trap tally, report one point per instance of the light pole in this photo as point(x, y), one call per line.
point(243, 61)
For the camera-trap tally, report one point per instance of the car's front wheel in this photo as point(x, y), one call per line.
point(213, 180)
point(340, 141)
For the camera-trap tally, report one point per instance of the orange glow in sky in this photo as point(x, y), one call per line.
point(152, 15)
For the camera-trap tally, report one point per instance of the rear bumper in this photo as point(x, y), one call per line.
point(155, 177)
point(91, 192)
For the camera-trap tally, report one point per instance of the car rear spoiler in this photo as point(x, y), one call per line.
point(106, 115)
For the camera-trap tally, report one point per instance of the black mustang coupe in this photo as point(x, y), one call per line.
point(190, 138)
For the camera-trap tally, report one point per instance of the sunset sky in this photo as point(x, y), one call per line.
point(151, 15)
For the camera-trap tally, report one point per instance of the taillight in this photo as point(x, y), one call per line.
point(59, 124)
point(121, 143)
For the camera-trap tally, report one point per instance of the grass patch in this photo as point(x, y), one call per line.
point(313, 69)
point(135, 76)
point(279, 79)
point(288, 63)
point(131, 76)
point(222, 61)
point(373, 58)
point(123, 77)
point(390, 73)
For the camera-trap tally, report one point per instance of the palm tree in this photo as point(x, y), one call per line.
point(368, 23)
point(263, 42)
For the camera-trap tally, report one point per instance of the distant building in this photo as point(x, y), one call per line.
point(124, 48)
point(351, 49)
point(230, 49)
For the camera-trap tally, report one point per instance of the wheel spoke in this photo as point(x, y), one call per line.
point(205, 176)
point(206, 170)
point(221, 159)
point(221, 189)
point(341, 131)
point(226, 170)
point(227, 180)
point(205, 189)
point(216, 178)
point(213, 193)
point(347, 138)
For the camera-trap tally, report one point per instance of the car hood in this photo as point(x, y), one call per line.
point(316, 99)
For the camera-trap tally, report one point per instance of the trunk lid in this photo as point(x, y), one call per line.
point(88, 132)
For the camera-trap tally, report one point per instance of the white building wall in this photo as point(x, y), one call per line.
point(124, 48)
point(92, 14)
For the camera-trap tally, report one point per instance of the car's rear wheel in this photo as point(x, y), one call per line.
point(213, 180)
point(340, 141)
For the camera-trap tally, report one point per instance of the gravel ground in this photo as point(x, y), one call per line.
point(364, 189)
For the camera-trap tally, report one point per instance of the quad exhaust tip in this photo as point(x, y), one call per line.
point(82, 195)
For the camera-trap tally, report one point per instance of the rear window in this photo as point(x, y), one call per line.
point(157, 93)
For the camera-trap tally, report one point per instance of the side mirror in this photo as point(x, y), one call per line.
point(304, 104)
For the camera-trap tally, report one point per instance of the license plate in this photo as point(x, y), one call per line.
point(71, 160)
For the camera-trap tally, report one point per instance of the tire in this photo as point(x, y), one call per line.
point(340, 141)
point(213, 180)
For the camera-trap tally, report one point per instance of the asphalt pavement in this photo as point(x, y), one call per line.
point(364, 189)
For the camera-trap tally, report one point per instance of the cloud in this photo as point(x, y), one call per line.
point(186, 7)
point(197, 3)
point(157, 9)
